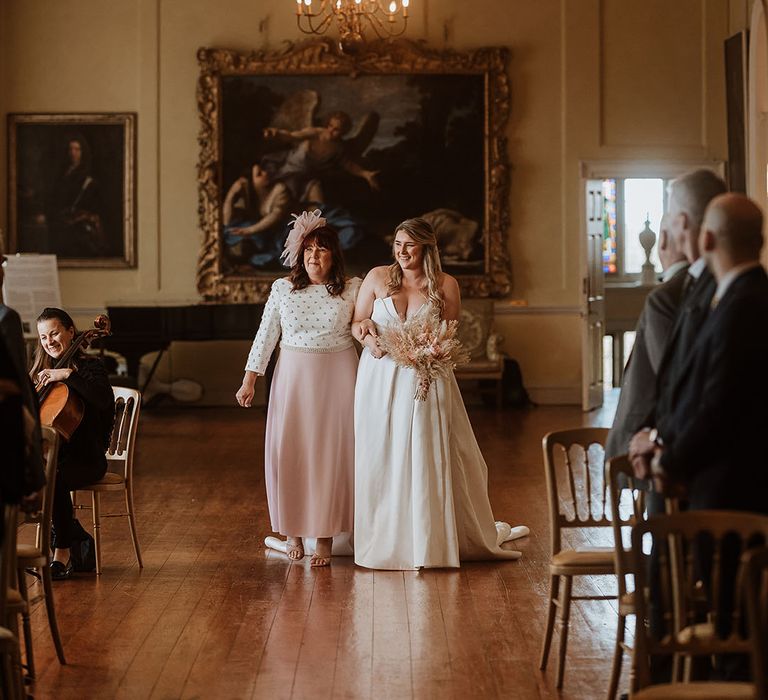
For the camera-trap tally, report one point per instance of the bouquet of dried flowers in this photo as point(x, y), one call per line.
point(427, 345)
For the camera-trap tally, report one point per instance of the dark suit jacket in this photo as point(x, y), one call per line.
point(714, 434)
point(24, 473)
point(638, 391)
point(693, 313)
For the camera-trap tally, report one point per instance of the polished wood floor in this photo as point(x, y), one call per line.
point(215, 615)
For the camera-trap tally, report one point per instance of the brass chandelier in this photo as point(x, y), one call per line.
point(387, 19)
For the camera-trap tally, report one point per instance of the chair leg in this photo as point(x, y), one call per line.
point(687, 668)
point(554, 589)
point(565, 613)
point(96, 504)
point(132, 521)
point(618, 655)
point(13, 681)
point(27, 626)
point(10, 682)
point(51, 611)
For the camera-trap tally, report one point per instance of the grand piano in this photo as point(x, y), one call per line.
point(138, 330)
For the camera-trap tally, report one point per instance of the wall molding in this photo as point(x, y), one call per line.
point(502, 309)
point(659, 167)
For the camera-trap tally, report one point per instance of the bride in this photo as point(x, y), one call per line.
point(421, 482)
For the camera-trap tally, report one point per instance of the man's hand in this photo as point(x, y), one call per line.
point(641, 445)
point(642, 467)
point(641, 449)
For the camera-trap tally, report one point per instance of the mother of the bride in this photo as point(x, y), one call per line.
point(309, 445)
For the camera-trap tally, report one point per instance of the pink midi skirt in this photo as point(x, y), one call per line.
point(310, 443)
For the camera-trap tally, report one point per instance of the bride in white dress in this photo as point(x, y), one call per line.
point(421, 483)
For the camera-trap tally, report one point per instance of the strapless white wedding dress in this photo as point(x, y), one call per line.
point(421, 483)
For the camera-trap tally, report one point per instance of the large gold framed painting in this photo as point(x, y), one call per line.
point(395, 131)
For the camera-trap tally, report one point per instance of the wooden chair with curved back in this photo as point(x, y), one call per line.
point(700, 593)
point(121, 451)
point(627, 499)
point(10, 601)
point(37, 556)
point(755, 563)
point(587, 506)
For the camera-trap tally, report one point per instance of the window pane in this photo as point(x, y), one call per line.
point(643, 199)
point(629, 343)
point(609, 227)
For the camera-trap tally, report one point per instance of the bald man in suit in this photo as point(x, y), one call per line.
point(709, 442)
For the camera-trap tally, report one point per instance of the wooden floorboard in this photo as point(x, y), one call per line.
point(215, 615)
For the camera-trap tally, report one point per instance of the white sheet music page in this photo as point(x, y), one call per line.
point(31, 283)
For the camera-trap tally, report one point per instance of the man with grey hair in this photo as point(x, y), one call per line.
point(689, 196)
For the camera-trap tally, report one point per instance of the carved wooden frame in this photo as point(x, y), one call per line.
point(127, 120)
point(322, 56)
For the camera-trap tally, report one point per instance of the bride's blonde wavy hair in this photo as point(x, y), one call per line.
point(422, 233)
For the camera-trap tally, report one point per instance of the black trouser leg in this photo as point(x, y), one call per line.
point(62, 515)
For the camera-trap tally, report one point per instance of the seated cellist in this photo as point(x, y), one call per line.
point(81, 459)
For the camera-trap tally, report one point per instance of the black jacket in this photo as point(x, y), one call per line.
point(82, 459)
point(22, 472)
point(692, 315)
point(637, 399)
point(713, 434)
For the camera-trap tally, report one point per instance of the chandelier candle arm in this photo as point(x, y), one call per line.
point(387, 18)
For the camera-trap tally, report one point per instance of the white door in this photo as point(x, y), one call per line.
point(593, 299)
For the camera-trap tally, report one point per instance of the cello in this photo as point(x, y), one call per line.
point(60, 407)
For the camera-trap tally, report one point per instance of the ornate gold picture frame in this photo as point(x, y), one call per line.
point(71, 188)
point(394, 131)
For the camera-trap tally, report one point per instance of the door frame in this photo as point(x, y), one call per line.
point(619, 168)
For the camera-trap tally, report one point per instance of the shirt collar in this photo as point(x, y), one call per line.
point(730, 277)
point(673, 269)
point(697, 267)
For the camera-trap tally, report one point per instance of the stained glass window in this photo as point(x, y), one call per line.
point(610, 255)
point(627, 203)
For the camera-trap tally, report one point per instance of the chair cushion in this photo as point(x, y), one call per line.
point(584, 556)
point(484, 366)
point(700, 690)
point(27, 551)
point(109, 479)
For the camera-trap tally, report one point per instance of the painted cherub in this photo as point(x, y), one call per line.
point(317, 150)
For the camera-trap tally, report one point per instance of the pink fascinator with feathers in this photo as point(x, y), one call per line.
point(303, 224)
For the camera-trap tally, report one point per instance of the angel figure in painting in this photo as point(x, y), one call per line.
point(315, 152)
